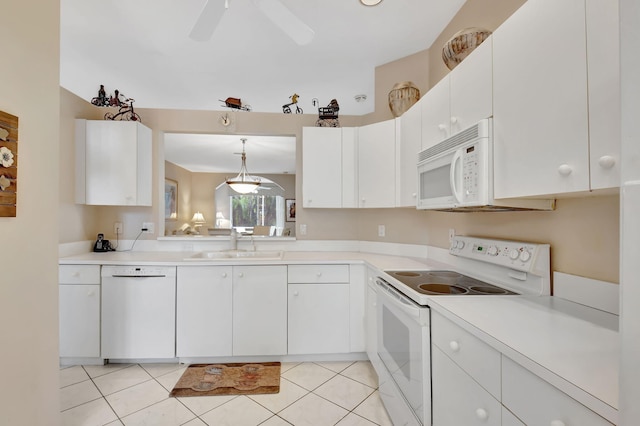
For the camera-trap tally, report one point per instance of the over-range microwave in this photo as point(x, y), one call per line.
point(457, 175)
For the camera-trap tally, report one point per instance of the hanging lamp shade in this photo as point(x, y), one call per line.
point(244, 183)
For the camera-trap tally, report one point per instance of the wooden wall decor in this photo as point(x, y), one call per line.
point(8, 164)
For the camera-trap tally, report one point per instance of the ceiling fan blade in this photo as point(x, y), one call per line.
point(284, 19)
point(208, 20)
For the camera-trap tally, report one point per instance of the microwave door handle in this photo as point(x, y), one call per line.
point(457, 156)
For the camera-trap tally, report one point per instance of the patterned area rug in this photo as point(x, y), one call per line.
point(228, 379)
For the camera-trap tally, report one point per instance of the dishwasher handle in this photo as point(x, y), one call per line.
point(138, 276)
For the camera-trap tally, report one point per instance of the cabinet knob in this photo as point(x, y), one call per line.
point(295, 293)
point(442, 127)
point(455, 346)
point(454, 120)
point(75, 274)
point(606, 161)
point(414, 195)
point(318, 274)
point(565, 170)
point(91, 293)
point(556, 423)
point(224, 275)
point(482, 414)
point(310, 200)
point(240, 274)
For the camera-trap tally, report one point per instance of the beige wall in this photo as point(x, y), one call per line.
point(28, 242)
point(578, 227)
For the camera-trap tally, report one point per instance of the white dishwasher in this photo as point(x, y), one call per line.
point(138, 312)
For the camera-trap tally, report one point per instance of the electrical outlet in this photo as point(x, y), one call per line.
point(117, 228)
point(303, 229)
point(381, 230)
point(149, 226)
point(452, 234)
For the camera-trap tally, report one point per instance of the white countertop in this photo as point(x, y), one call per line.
point(573, 347)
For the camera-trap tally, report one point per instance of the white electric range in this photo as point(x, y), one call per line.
point(480, 268)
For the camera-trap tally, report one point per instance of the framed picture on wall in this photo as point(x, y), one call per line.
point(290, 206)
point(170, 199)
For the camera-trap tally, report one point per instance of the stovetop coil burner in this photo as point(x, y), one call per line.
point(446, 283)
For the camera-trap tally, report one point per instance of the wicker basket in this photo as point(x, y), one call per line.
point(402, 96)
point(461, 44)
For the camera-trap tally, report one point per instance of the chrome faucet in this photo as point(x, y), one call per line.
point(233, 239)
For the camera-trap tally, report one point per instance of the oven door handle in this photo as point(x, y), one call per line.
point(399, 301)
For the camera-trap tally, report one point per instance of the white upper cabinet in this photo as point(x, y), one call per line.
point(113, 163)
point(460, 99)
point(408, 145)
point(603, 62)
point(435, 114)
point(377, 165)
point(328, 164)
point(471, 88)
point(556, 98)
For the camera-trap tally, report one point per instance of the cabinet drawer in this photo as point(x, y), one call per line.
point(313, 274)
point(79, 274)
point(537, 402)
point(478, 359)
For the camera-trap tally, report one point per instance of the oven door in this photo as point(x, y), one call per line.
point(404, 349)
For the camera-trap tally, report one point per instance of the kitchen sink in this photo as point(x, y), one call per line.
point(237, 254)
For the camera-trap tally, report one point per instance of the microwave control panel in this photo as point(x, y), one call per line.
point(470, 173)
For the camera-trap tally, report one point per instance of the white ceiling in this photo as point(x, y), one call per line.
point(142, 48)
point(220, 153)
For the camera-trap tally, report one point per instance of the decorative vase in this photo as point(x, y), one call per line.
point(461, 44)
point(402, 96)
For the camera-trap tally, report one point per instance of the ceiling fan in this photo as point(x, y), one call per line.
point(277, 13)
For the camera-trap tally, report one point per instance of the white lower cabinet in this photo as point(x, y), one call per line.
point(203, 311)
point(457, 398)
point(79, 308)
point(260, 310)
point(318, 309)
point(537, 402)
point(472, 383)
point(318, 318)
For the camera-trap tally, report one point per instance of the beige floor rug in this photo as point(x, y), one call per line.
point(229, 379)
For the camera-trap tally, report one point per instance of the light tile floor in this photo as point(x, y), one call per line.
point(311, 394)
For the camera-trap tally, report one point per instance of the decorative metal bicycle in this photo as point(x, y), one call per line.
point(294, 101)
point(125, 113)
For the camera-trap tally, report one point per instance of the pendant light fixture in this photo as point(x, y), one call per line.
point(244, 183)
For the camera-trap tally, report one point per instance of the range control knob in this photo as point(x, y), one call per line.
point(514, 254)
point(459, 244)
point(492, 251)
point(525, 256)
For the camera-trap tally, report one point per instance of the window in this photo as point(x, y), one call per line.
point(251, 210)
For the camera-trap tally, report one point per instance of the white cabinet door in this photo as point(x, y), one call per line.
point(79, 321)
point(318, 318)
point(457, 398)
point(322, 167)
point(472, 89)
point(376, 164)
point(436, 114)
point(203, 311)
point(259, 310)
point(537, 402)
point(603, 62)
point(113, 163)
point(408, 147)
point(508, 419)
point(540, 100)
